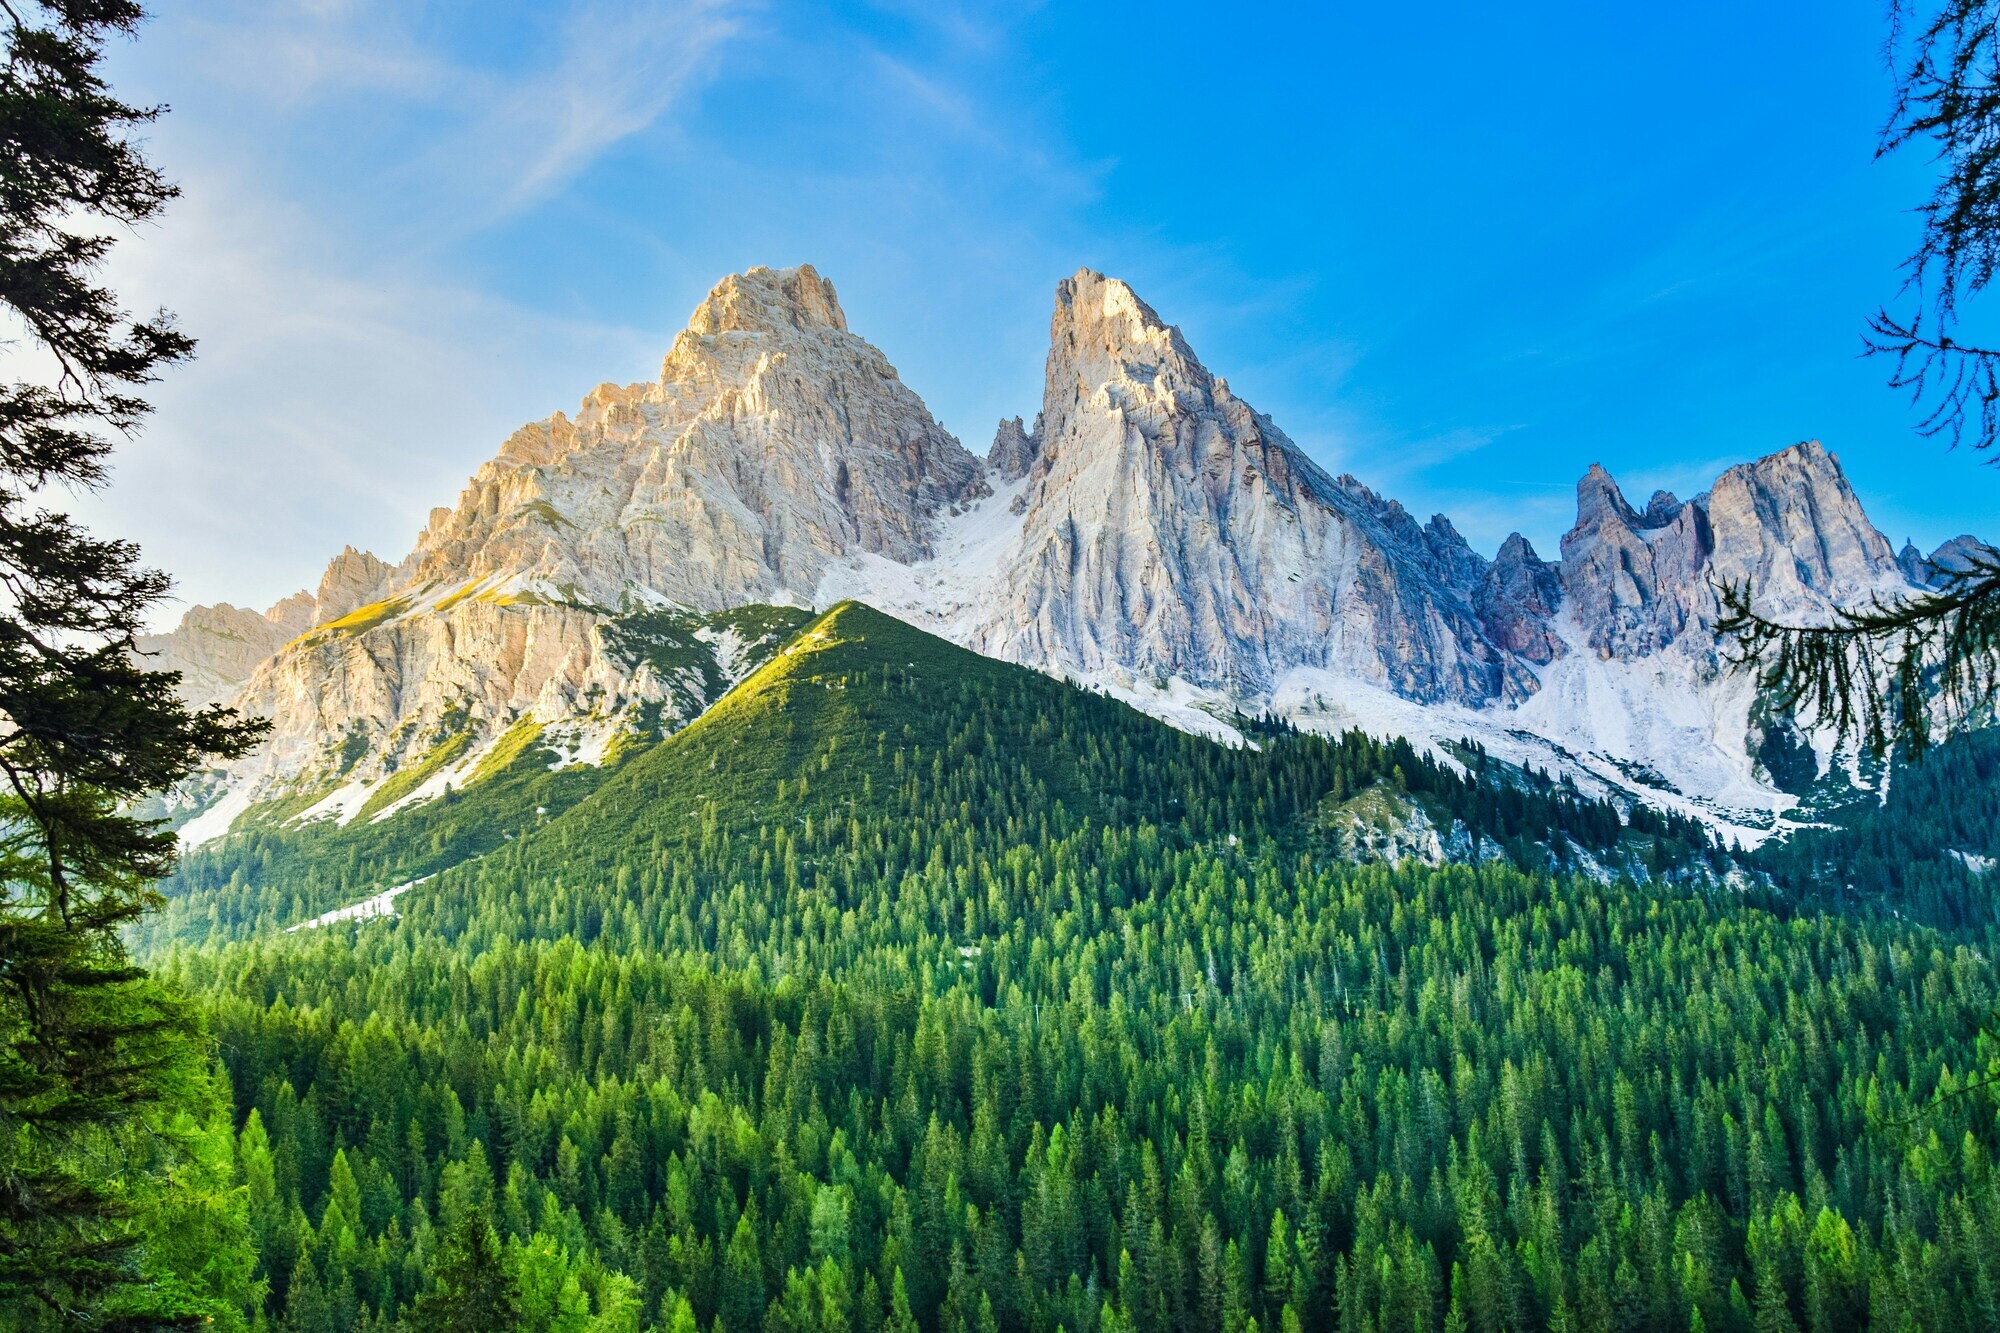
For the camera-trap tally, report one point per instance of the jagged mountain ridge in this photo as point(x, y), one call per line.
point(1153, 535)
point(1170, 529)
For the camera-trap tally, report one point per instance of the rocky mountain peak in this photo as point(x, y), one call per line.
point(1163, 540)
point(1517, 601)
point(1790, 527)
point(215, 648)
point(1951, 557)
point(1109, 352)
point(352, 579)
point(1631, 577)
point(775, 439)
point(1787, 526)
point(292, 616)
point(1913, 564)
point(1599, 501)
point(769, 300)
point(1661, 509)
point(1172, 531)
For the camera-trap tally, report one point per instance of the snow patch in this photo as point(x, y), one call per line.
point(948, 593)
point(729, 649)
point(587, 742)
point(1175, 702)
point(382, 904)
point(432, 787)
point(213, 822)
point(341, 804)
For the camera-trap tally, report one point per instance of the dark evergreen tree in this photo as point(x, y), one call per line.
point(473, 1289)
point(87, 1046)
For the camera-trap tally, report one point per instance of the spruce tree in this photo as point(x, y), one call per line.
point(88, 1047)
point(473, 1291)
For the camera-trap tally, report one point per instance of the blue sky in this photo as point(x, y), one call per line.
point(1461, 251)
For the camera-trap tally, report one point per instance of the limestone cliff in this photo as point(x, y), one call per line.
point(1153, 535)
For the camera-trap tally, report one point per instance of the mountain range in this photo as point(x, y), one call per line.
point(608, 576)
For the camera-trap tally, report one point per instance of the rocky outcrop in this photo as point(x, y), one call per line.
point(353, 579)
point(379, 695)
point(1172, 531)
point(1517, 601)
point(1014, 451)
point(1913, 565)
point(216, 648)
point(1630, 578)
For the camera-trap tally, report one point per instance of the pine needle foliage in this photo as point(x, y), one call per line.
point(93, 1057)
point(1870, 671)
point(1890, 673)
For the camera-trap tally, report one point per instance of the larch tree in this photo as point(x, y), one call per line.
point(1890, 671)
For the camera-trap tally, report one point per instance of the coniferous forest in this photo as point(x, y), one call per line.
point(836, 979)
point(908, 990)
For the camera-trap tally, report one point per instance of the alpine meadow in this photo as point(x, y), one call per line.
point(756, 865)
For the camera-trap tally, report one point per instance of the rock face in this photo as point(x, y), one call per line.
point(1014, 451)
point(1645, 692)
point(1630, 577)
point(353, 579)
point(1517, 600)
point(1952, 557)
point(773, 441)
point(1171, 530)
point(1788, 527)
point(1152, 534)
point(216, 648)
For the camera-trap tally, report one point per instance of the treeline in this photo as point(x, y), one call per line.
point(1007, 751)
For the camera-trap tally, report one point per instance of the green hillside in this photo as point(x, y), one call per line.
point(856, 712)
point(275, 871)
point(911, 990)
point(862, 716)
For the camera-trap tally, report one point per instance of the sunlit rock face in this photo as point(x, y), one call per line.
point(773, 440)
point(1152, 534)
point(1170, 529)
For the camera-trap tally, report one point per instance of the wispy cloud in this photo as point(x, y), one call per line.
point(617, 70)
point(351, 372)
point(329, 403)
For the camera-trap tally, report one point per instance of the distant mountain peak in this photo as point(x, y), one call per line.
point(1159, 539)
point(1014, 450)
point(765, 300)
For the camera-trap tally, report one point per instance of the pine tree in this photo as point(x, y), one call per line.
point(88, 1048)
point(900, 1319)
point(473, 1291)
